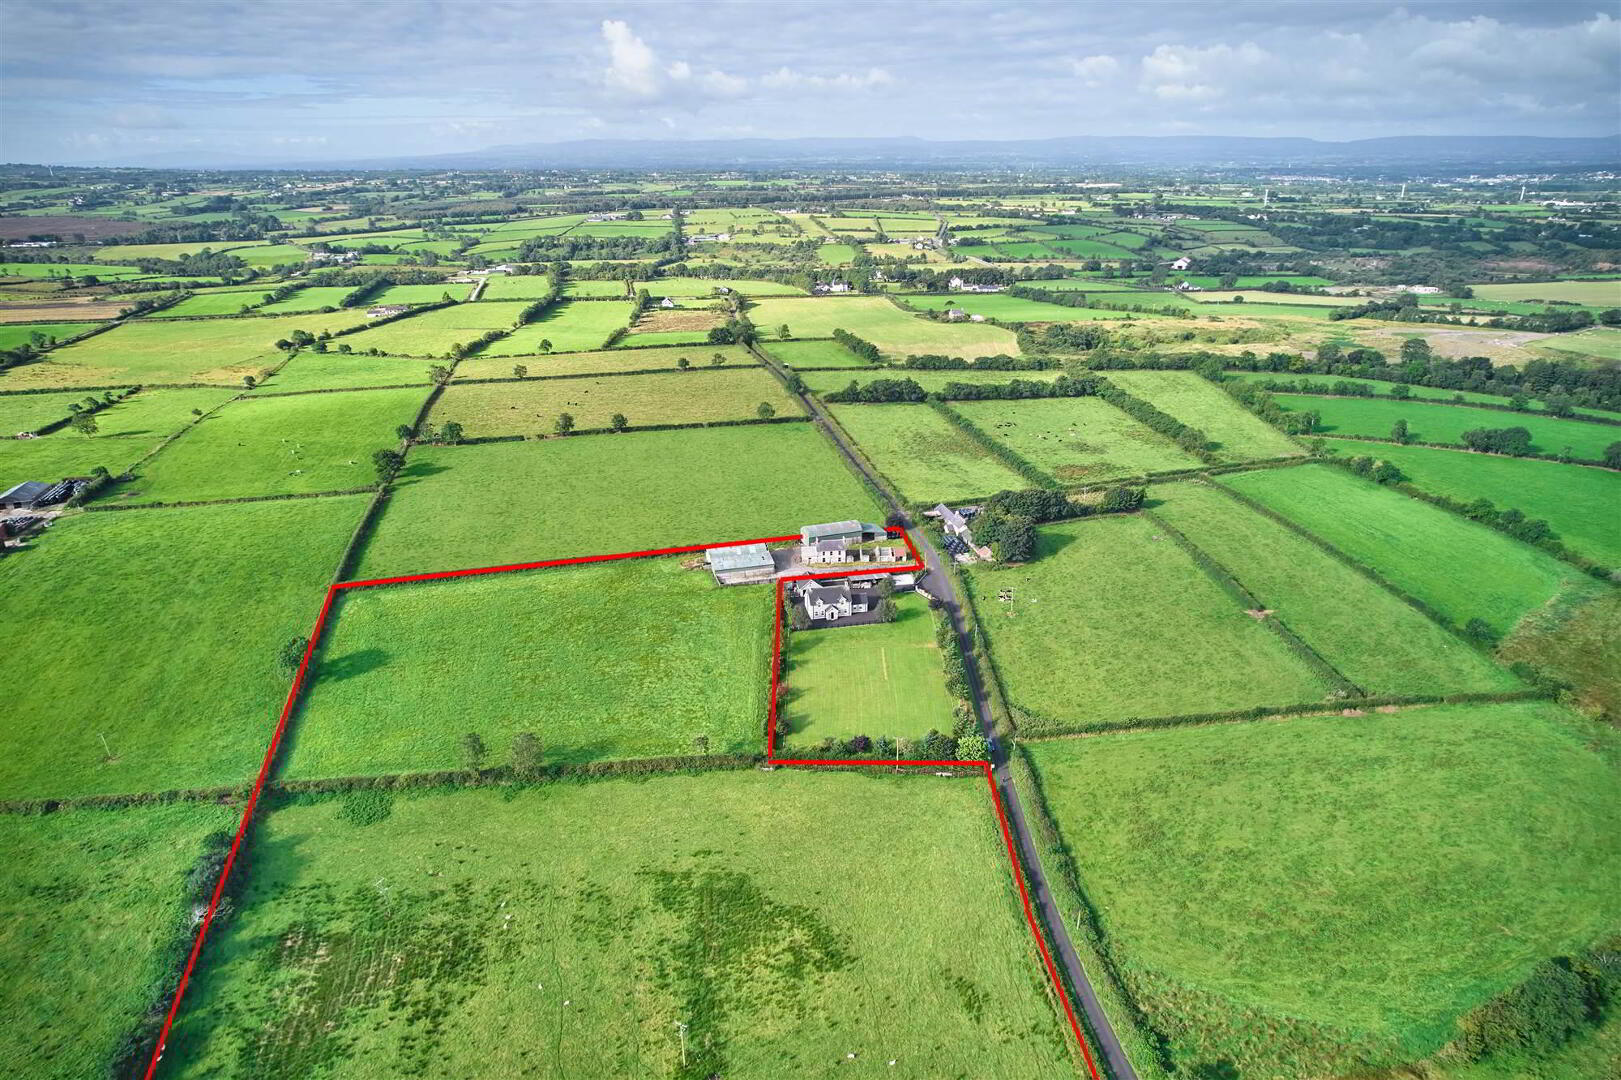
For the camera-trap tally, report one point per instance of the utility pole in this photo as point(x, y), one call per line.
point(683, 1029)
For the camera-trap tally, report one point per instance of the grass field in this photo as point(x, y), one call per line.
point(152, 353)
point(1358, 880)
point(432, 333)
point(330, 370)
point(158, 631)
point(125, 433)
point(313, 298)
point(1018, 310)
point(571, 326)
point(500, 503)
point(1077, 440)
point(1582, 505)
point(1603, 342)
point(688, 286)
point(884, 679)
point(408, 670)
point(1239, 435)
point(897, 333)
point(567, 931)
point(14, 335)
point(1462, 569)
point(221, 302)
point(531, 407)
point(823, 382)
point(278, 446)
point(812, 354)
point(1321, 383)
point(1379, 643)
point(536, 286)
point(1154, 635)
point(922, 454)
point(421, 294)
point(1447, 423)
point(1604, 294)
point(88, 901)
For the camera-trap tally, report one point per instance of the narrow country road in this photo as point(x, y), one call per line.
point(1107, 1045)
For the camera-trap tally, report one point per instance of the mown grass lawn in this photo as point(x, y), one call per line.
point(1447, 423)
point(229, 301)
point(631, 659)
point(604, 362)
point(330, 370)
point(1239, 435)
point(572, 326)
point(88, 903)
point(278, 446)
point(432, 333)
point(1462, 569)
point(1583, 505)
point(1370, 636)
point(922, 454)
point(532, 406)
point(152, 353)
point(885, 679)
point(576, 929)
point(125, 433)
point(897, 333)
point(157, 630)
point(313, 298)
point(1112, 621)
point(499, 503)
point(1077, 440)
point(1340, 881)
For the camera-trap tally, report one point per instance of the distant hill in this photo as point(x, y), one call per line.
point(1407, 151)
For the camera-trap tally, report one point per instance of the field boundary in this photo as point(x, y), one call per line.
point(294, 696)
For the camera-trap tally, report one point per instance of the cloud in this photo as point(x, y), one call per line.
point(632, 67)
point(1094, 71)
point(788, 78)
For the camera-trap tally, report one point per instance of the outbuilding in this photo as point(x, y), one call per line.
point(26, 496)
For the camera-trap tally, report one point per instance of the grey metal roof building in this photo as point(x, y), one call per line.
point(839, 530)
point(24, 495)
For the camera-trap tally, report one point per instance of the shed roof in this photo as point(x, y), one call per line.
point(27, 491)
point(739, 557)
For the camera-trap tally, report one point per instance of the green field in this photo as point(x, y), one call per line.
point(823, 382)
point(310, 370)
point(922, 454)
point(158, 631)
point(409, 669)
point(897, 333)
point(1447, 423)
point(125, 433)
point(1379, 643)
point(433, 333)
point(1321, 383)
point(1076, 440)
point(1339, 883)
point(1460, 568)
point(1017, 309)
point(278, 446)
point(1603, 342)
point(884, 679)
point(153, 353)
point(1239, 435)
point(704, 287)
point(812, 354)
point(1111, 622)
point(1583, 505)
point(313, 298)
point(421, 294)
point(572, 287)
point(604, 361)
point(219, 302)
point(60, 270)
point(1603, 294)
point(567, 931)
point(572, 326)
point(528, 287)
point(532, 406)
point(14, 334)
point(500, 503)
point(88, 902)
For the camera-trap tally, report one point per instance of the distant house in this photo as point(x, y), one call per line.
point(830, 603)
point(955, 283)
point(741, 564)
point(959, 537)
point(1181, 264)
point(831, 287)
point(955, 314)
point(976, 318)
point(1419, 290)
point(1187, 286)
point(384, 310)
point(667, 303)
point(853, 532)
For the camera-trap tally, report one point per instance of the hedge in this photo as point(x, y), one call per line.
point(1588, 462)
point(997, 449)
point(222, 502)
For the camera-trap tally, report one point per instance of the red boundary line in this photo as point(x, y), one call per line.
point(771, 759)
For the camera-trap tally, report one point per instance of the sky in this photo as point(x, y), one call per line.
point(107, 81)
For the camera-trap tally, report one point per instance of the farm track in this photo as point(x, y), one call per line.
point(1116, 1064)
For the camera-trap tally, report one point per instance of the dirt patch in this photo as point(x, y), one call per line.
point(1259, 613)
point(68, 227)
point(655, 322)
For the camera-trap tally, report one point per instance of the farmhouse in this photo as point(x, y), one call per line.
point(741, 564)
point(959, 542)
point(831, 287)
point(829, 603)
point(667, 303)
point(385, 310)
point(333, 256)
point(824, 552)
point(1181, 264)
point(956, 314)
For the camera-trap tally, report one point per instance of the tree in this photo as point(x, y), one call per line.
point(451, 432)
point(619, 422)
point(1399, 432)
point(886, 609)
point(1480, 632)
point(1402, 391)
point(405, 431)
point(973, 748)
point(438, 374)
point(716, 360)
point(700, 745)
point(292, 655)
point(683, 363)
point(782, 332)
point(474, 752)
point(564, 424)
point(526, 755)
point(545, 345)
point(388, 463)
point(249, 381)
point(1612, 455)
point(84, 424)
point(519, 371)
point(765, 411)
